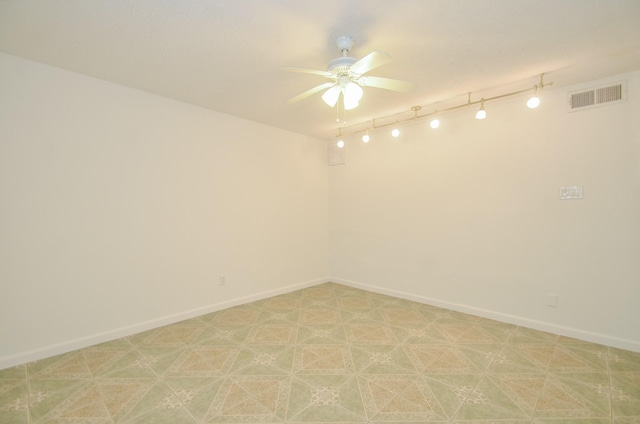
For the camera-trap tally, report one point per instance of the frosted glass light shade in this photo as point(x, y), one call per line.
point(330, 96)
point(352, 94)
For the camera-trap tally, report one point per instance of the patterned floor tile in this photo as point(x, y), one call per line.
point(450, 389)
point(323, 359)
point(369, 334)
point(487, 401)
point(69, 365)
point(250, 399)
point(320, 316)
point(321, 334)
point(441, 359)
point(382, 359)
point(355, 303)
point(143, 362)
point(195, 393)
point(203, 361)
point(121, 395)
point(625, 394)
point(60, 400)
point(17, 372)
point(623, 360)
point(282, 303)
point(277, 316)
point(221, 334)
point(326, 399)
point(272, 334)
point(402, 316)
point(263, 360)
point(240, 315)
point(141, 400)
point(522, 358)
point(523, 390)
point(399, 398)
point(415, 334)
point(334, 354)
point(14, 397)
point(574, 421)
point(574, 396)
point(468, 333)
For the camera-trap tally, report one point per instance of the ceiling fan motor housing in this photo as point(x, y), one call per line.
point(341, 65)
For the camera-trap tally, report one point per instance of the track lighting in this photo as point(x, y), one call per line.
point(481, 113)
point(534, 101)
point(340, 142)
point(434, 121)
point(365, 138)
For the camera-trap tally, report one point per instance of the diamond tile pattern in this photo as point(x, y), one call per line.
point(330, 354)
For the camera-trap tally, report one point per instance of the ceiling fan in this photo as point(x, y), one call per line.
point(347, 77)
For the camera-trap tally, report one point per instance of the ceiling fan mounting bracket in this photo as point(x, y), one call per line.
point(344, 43)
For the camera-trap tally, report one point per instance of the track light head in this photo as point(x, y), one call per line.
point(534, 101)
point(481, 114)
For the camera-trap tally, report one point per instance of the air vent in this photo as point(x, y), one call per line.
point(587, 99)
point(335, 155)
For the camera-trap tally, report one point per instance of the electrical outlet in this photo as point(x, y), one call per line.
point(222, 281)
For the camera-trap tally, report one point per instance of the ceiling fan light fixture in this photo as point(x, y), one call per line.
point(331, 96)
point(350, 105)
point(352, 94)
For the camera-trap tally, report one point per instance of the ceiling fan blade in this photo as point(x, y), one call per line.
point(387, 83)
point(369, 62)
point(310, 92)
point(325, 74)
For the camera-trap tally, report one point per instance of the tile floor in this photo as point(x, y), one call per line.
point(330, 354)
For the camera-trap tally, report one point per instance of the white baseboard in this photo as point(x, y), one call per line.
point(82, 342)
point(575, 333)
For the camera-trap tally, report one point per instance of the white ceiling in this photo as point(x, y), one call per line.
point(227, 55)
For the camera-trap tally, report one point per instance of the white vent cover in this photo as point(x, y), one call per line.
point(587, 99)
point(335, 154)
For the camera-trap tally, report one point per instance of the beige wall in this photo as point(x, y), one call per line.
point(120, 210)
point(469, 217)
